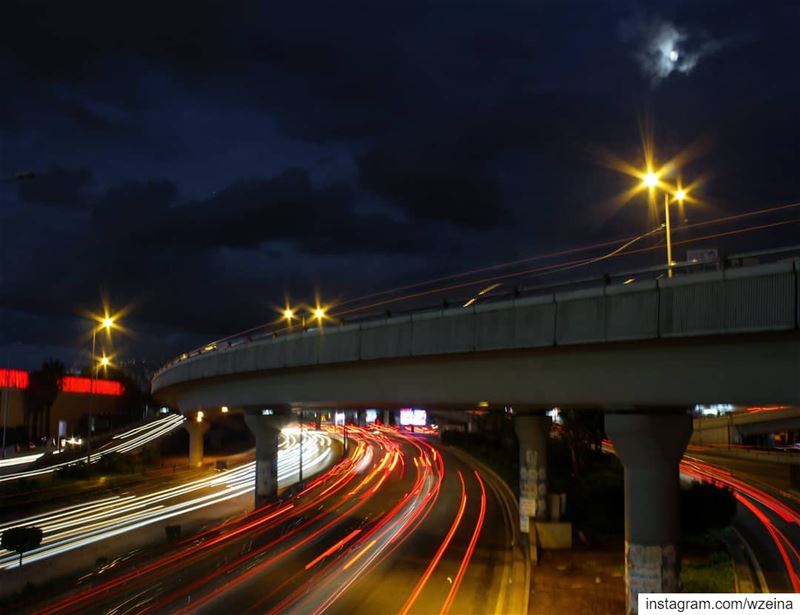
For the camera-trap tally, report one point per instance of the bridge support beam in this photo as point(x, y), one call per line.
point(267, 430)
point(650, 447)
point(361, 418)
point(196, 432)
point(387, 418)
point(533, 430)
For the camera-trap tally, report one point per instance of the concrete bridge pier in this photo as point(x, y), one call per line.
point(387, 418)
point(650, 446)
point(267, 431)
point(197, 429)
point(533, 430)
point(361, 418)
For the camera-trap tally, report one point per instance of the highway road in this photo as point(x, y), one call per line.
point(75, 535)
point(767, 516)
point(399, 525)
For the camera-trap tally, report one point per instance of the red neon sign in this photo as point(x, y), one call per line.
point(79, 384)
point(13, 379)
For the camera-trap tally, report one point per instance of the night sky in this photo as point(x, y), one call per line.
point(196, 162)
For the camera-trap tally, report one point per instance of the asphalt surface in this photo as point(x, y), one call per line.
point(399, 525)
point(767, 514)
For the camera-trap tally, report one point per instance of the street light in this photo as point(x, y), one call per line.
point(319, 313)
point(106, 323)
point(651, 180)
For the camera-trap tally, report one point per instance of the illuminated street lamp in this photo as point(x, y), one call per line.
point(106, 323)
point(651, 181)
point(319, 313)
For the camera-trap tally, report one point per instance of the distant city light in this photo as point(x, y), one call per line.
point(224, 409)
point(267, 412)
point(713, 409)
point(555, 414)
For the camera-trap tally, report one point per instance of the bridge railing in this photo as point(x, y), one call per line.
point(736, 295)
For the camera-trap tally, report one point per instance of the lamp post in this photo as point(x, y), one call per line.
point(651, 180)
point(106, 323)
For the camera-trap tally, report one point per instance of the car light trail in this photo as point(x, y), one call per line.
point(470, 549)
point(121, 443)
point(337, 539)
point(778, 537)
point(440, 551)
point(749, 496)
point(76, 526)
point(17, 461)
point(373, 546)
point(333, 549)
point(334, 519)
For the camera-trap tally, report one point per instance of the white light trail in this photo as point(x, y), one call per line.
point(121, 443)
point(78, 525)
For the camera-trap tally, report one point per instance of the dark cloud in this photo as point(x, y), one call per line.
point(436, 183)
point(57, 187)
point(208, 157)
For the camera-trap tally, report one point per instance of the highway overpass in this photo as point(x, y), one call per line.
point(725, 336)
point(644, 352)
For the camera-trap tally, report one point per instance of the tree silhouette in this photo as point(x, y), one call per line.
point(43, 388)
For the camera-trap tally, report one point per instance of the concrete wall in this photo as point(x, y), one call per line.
point(760, 300)
point(721, 429)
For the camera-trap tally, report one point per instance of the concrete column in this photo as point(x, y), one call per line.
point(650, 446)
point(196, 432)
point(533, 431)
point(361, 418)
point(317, 420)
point(387, 418)
point(266, 429)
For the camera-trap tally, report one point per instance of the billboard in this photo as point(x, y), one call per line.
point(413, 416)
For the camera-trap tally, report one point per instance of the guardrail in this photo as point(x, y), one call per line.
point(637, 304)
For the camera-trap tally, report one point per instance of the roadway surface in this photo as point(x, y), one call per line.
point(767, 514)
point(77, 536)
point(399, 525)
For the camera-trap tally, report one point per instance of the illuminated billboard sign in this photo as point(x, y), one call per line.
point(412, 416)
point(79, 384)
point(13, 379)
